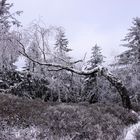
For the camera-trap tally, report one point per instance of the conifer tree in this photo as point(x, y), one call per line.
point(132, 55)
point(96, 57)
point(62, 57)
point(9, 47)
point(91, 84)
point(130, 60)
point(61, 47)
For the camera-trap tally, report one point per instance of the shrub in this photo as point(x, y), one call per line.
point(60, 120)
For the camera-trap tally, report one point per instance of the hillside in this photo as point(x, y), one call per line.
point(34, 119)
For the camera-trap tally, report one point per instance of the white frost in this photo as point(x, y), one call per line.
point(30, 133)
point(130, 131)
point(130, 134)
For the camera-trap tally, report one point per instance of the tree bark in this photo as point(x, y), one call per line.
point(119, 86)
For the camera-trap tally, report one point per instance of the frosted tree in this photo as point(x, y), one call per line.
point(130, 59)
point(91, 83)
point(63, 78)
point(7, 19)
point(49, 45)
point(132, 55)
point(9, 47)
point(55, 66)
point(9, 52)
point(34, 53)
point(117, 83)
point(37, 38)
point(61, 48)
point(96, 57)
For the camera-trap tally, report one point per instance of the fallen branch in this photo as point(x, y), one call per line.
point(103, 71)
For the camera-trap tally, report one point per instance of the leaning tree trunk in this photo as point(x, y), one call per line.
point(119, 86)
point(114, 81)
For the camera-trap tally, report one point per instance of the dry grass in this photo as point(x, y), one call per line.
point(24, 119)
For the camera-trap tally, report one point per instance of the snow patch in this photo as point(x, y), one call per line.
point(30, 133)
point(130, 131)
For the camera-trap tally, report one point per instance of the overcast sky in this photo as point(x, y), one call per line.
point(86, 22)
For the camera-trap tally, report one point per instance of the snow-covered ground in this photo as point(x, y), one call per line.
point(30, 133)
point(129, 133)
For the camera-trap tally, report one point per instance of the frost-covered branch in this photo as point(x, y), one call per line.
point(119, 86)
point(103, 71)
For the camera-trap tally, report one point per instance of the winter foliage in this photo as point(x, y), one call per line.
point(132, 55)
point(68, 86)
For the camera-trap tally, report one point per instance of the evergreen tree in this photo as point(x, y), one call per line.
point(91, 84)
point(61, 42)
point(63, 79)
point(61, 48)
point(8, 46)
point(132, 55)
point(130, 60)
point(96, 57)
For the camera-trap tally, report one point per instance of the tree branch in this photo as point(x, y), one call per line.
point(89, 72)
point(103, 71)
